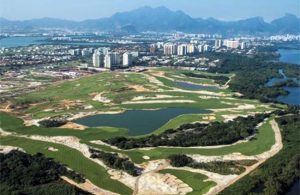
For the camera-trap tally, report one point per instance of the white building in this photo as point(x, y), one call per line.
point(243, 45)
point(169, 49)
point(218, 43)
point(108, 61)
point(190, 49)
point(98, 59)
point(182, 49)
point(206, 48)
point(231, 44)
point(127, 59)
point(112, 60)
point(200, 48)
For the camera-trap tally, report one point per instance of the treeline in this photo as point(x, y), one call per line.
point(23, 173)
point(221, 167)
point(52, 122)
point(252, 73)
point(218, 79)
point(112, 160)
point(278, 173)
point(197, 134)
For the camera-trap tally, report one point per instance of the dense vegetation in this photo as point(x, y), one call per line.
point(218, 79)
point(55, 122)
point(221, 167)
point(252, 73)
point(281, 171)
point(112, 160)
point(22, 173)
point(197, 134)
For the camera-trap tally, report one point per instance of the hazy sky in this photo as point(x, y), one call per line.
point(90, 9)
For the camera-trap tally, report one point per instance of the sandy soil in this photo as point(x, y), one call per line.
point(137, 98)
point(159, 101)
point(99, 98)
point(7, 149)
point(52, 149)
point(88, 186)
point(138, 88)
point(72, 125)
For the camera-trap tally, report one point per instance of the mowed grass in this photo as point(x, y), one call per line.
point(114, 85)
point(263, 141)
point(194, 180)
point(12, 124)
point(71, 158)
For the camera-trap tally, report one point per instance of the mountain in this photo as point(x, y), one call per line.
point(161, 19)
point(287, 24)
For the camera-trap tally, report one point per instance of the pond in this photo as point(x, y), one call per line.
point(191, 86)
point(138, 122)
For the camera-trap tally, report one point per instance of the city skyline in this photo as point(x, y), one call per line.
point(77, 9)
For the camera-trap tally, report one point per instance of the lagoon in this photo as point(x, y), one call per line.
point(10, 42)
point(138, 122)
point(289, 56)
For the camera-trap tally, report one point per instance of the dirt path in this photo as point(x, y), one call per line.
point(226, 85)
point(160, 166)
point(261, 159)
point(88, 187)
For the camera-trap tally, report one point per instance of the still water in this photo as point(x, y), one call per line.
point(138, 122)
point(9, 42)
point(190, 86)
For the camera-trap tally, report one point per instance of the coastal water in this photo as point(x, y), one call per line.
point(138, 122)
point(289, 56)
point(10, 42)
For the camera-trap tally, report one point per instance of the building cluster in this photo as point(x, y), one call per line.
point(285, 38)
point(32, 55)
point(184, 49)
point(104, 58)
point(233, 44)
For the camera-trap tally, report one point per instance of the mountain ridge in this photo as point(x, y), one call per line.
point(162, 19)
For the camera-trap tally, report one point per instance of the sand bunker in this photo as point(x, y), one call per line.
point(138, 88)
point(100, 98)
point(71, 125)
point(160, 101)
point(52, 149)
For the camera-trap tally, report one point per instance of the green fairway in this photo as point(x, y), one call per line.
point(71, 158)
point(194, 180)
point(262, 142)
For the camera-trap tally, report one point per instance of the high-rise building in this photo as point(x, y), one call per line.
point(243, 45)
point(206, 48)
point(127, 59)
point(152, 48)
point(182, 49)
point(218, 43)
point(231, 44)
point(98, 59)
point(190, 48)
point(169, 49)
point(200, 48)
point(108, 61)
point(112, 60)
